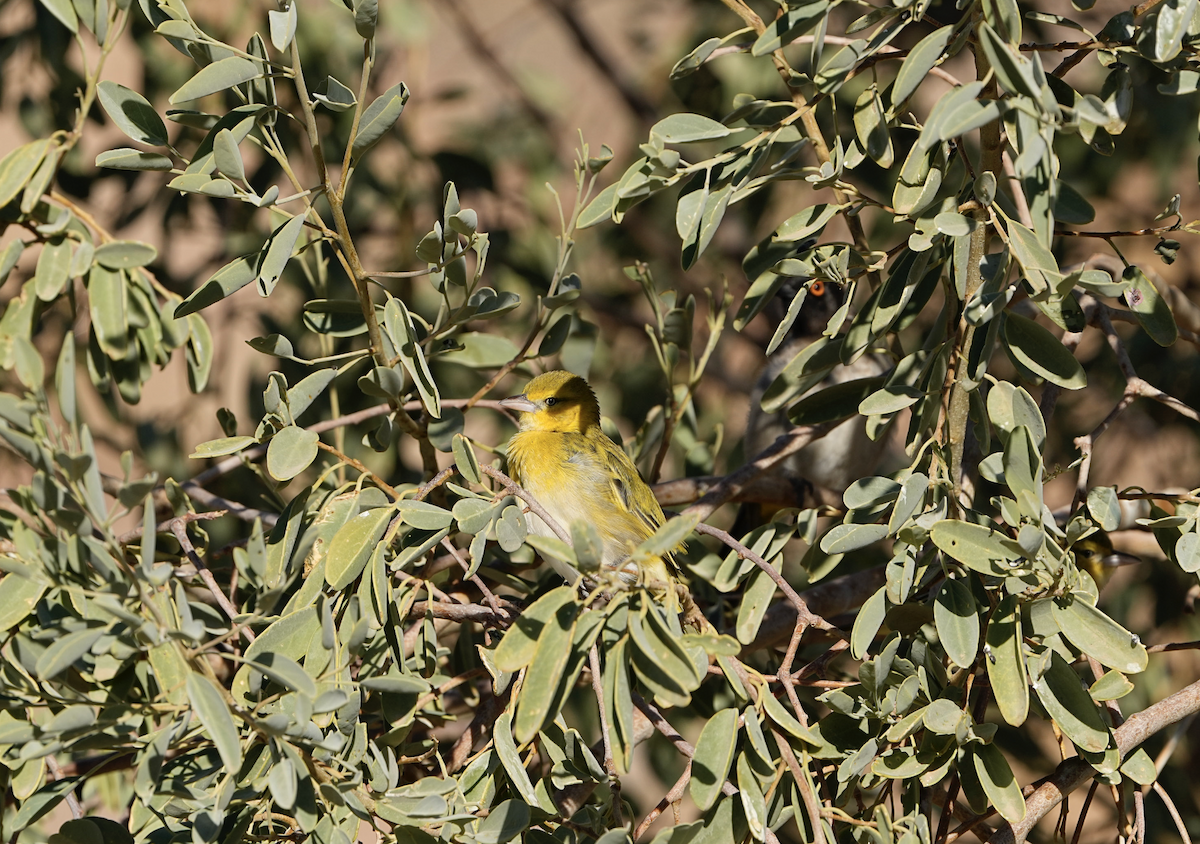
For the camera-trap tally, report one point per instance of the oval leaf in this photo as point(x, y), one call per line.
point(1035, 348)
point(352, 545)
point(290, 452)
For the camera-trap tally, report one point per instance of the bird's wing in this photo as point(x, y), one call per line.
point(629, 490)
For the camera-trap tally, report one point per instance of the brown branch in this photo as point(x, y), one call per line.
point(179, 528)
point(168, 525)
point(804, 616)
point(513, 489)
point(1152, 230)
point(827, 599)
point(737, 482)
point(1073, 772)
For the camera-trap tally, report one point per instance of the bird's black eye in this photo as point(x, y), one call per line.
point(550, 402)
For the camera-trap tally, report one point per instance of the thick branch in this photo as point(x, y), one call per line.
point(1074, 771)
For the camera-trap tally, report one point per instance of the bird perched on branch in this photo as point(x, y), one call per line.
point(563, 459)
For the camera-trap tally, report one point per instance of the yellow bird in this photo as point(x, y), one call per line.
point(565, 461)
point(1095, 555)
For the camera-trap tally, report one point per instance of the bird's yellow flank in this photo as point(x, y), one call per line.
point(561, 456)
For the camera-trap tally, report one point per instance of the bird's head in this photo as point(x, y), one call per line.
point(1095, 555)
point(556, 401)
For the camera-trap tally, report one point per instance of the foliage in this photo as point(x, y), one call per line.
point(299, 681)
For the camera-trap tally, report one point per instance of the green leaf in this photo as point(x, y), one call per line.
point(132, 113)
point(517, 648)
point(715, 205)
point(290, 452)
point(978, 547)
point(1068, 703)
point(1113, 685)
point(1151, 309)
point(1006, 661)
point(226, 281)
point(1171, 23)
point(64, 651)
point(125, 254)
point(506, 749)
point(756, 600)
point(1105, 506)
point(286, 672)
point(545, 673)
point(504, 823)
point(956, 617)
point(366, 16)
point(53, 269)
point(1010, 406)
point(379, 117)
point(1093, 632)
point(806, 223)
point(1014, 71)
point(227, 156)
point(1035, 348)
point(353, 544)
point(18, 167)
point(832, 404)
point(222, 74)
point(687, 128)
point(784, 719)
point(465, 459)
point(844, 538)
point(310, 388)
point(916, 66)
point(106, 289)
point(200, 353)
point(292, 635)
point(1140, 768)
point(867, 623)
point(1041, 270)
point(423, 515)
point(19, 594)
point(668, 537)
point(209, 705)
point(404, 336)
point(283, 27)
point(221, 447)
point(789, 26)
point(1001, 787)
point(65, 12)
point(279, 250)
point(754, 803)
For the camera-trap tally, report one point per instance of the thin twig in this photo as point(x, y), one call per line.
point(512, 488)
point(178, 527)
point(803, 614)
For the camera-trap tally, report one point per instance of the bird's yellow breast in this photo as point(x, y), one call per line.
point(572, 476)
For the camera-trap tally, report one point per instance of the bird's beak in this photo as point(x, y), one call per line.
point(1116, 559)
point(520, 403)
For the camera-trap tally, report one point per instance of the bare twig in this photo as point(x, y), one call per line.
point(513, 489)
point(178, 527)
point(733, 484)
point(1071, 773)
point(803, 614)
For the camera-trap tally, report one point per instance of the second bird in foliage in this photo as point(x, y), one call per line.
point(563, 459)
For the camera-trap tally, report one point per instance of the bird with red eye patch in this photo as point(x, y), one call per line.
point(819, 472)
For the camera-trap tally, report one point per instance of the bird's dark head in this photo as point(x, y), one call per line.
point(556, 401)
point(821, 301)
